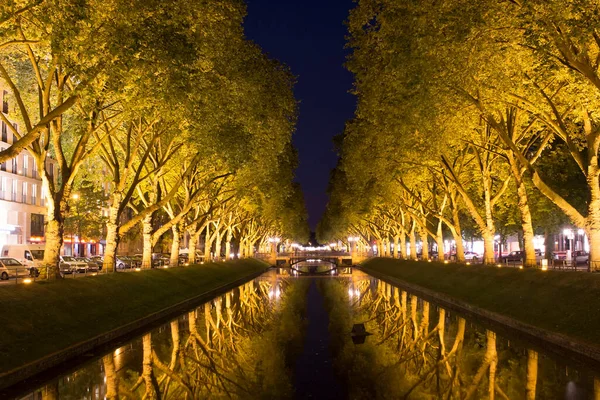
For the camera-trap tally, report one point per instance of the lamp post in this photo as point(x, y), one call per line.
point(76, 228)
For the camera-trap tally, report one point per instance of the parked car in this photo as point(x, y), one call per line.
point(70, 265)
point(160, 261)
point(472, 256)
point(581, 257)
point(10, 268)
point(92, 265)
point(514, 256)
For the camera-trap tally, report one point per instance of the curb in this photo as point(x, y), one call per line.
point(551, 341)
point(43, 364)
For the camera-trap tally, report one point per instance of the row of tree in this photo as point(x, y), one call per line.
point(164, 105)
point(477, 116)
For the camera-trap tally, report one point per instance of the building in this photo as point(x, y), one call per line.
point(22, 197)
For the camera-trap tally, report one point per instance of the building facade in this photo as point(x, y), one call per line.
point(22, 197)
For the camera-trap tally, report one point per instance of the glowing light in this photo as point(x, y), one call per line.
point(499, 265)
point(428, 260)
point(567, 232)
point(520, 267)
point(165, 266)
point(446, 262)
point(468, 263)
point(544, 268)
point(27, 280)
point(75, 196)
point(138, 269)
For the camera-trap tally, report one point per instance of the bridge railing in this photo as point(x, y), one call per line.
point(315, 254)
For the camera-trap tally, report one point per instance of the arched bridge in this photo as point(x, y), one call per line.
point(332, 257)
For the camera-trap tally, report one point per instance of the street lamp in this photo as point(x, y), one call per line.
point(75, 197)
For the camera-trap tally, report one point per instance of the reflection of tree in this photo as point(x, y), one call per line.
point(432, 355)
point(213, 358)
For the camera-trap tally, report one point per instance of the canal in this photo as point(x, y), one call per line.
point(287, 335)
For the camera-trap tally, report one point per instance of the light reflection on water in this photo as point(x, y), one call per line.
point(235, 346)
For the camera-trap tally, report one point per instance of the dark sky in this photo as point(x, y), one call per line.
point(308, 36)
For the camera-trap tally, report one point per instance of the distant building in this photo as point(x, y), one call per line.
point(22, 197)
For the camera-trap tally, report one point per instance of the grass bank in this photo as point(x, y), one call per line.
point(563, 302)
point(47, 317)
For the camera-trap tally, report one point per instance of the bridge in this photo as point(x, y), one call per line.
point(335, 258)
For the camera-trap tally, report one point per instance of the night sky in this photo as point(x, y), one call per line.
point(308, 36)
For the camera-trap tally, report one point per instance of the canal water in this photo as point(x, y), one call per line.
point(287, 335)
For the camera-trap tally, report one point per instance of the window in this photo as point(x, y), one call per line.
point(2, 165)
point(35, 172)
point(51, 170)
point(25, 165)
point(2, 188)
point(13, 194)
point(43, 197)
point(4, 130)
point(14, 165)
point(34, 194)
point(37, 225)
point(24, 193)
point(4, 102)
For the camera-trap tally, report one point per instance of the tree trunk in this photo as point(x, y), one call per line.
point(532, 373)
point(147, 370)
point(457, 234)
point(55, 213)
point(439, 240)
point(50, 391)
point(488, 247)
point(218, 246)
point(523, 205)
point(424, 243)
point(54, 241)
point(594, 257)
point(112, 386)
point(228, 249)
point(174, 262)
point(192, 247)
point(413, 243)
point(112, 237)
point(396, 246)
point(207, 244)
point(548, 245)
point(147, 242)
point(403, 244)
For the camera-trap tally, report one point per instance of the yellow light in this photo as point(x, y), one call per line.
point(499, 265)
point(428, 260)
point(446, 262)
point(27, 280)
point(94, 274)
point(165, 266)
point(520, 267)
point(75, 196)
point(138, 269)
point(544, 268)
point(468, 263)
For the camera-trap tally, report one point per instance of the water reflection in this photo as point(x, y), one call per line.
point(245, 344)
point(419, 350)
point(221, 349)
